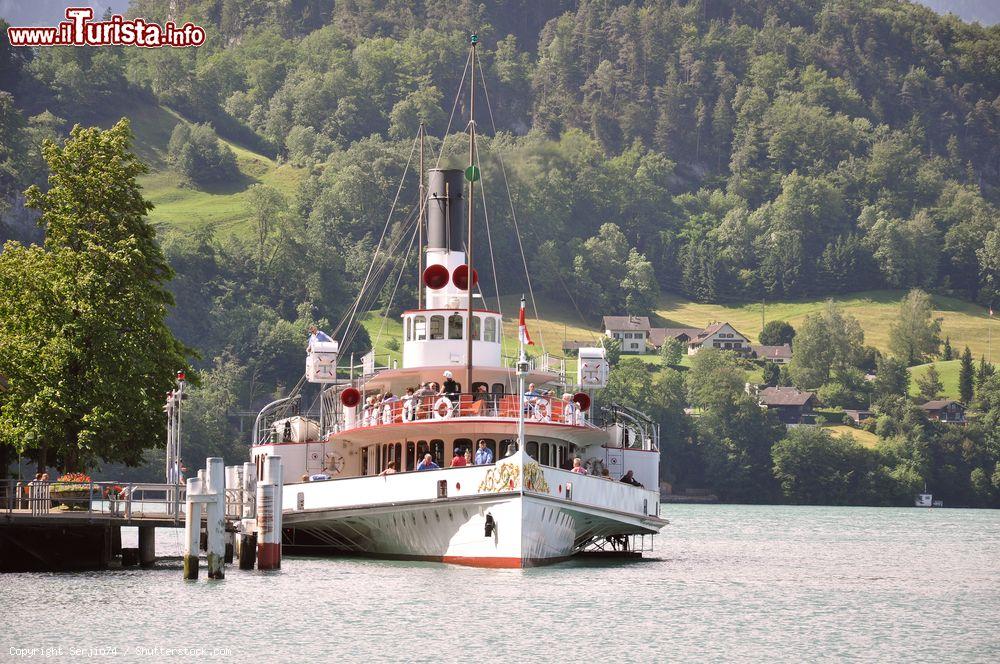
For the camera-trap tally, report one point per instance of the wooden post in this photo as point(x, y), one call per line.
point(147, 546)
point(215, 520)
point(192, 527)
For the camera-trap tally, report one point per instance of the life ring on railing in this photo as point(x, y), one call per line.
point(595, 466)
point(409, 410)
point(443, 408)
point(541, 410)
point(334, 463)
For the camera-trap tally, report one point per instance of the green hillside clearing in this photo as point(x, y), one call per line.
point(949, 377)
point(182, 205)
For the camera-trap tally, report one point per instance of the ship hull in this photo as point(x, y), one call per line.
point(528, 529)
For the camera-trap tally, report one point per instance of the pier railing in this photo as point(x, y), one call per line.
point(116, 499)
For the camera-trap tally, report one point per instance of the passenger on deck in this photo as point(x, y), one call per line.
point(578, 466)
point(450, 387)
point(390, 469)
point(316, 334)
point(305, 477)
point(458, 460)
point(627, 478)
point(569, 408)
point(468, 457)
point(428, 463)
point(511, 449)
point(484, 455)
point(532, 392)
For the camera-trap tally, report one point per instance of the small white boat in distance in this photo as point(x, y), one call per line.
point(924, 500)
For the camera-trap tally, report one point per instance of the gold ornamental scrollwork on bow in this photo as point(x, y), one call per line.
point(504, 477)
point(507, 477)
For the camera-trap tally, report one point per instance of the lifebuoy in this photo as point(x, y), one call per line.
point(334, 463)
point(595, 466)
point(445, 404)
point(541, 410)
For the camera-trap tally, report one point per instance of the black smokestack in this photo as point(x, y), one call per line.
point(445, 213)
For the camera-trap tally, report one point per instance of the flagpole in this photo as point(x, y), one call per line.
point(522, 370)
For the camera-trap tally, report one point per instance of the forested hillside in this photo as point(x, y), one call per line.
point(722, 150)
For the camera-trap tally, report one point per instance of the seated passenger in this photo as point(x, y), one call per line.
point(305, 477)
point(428, 463)
point(484, 455)
point(459, 459)
point(627, 478)
point(391, 469)
point(578, 466)
point(468, 457)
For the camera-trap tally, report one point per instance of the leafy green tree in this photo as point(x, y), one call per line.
point(777, 333)
point(198, 154)
point(639, 285)
point(671, 352)
point(825, 341)
point(772, 373)
point(612, 349)
point(915, 335)
point(891, 379)
point(716, 380)
point(847, 389)
point(83, 338)
point(966, 377)
point(929, 383)
point(815, 468)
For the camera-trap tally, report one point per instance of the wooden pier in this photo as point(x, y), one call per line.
point(68, 526)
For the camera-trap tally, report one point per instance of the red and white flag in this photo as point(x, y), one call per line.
point(522, 328)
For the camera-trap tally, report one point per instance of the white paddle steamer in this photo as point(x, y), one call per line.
point(524, 506)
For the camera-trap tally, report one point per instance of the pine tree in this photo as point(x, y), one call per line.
point(984, 372)
point(929, 384)
point(966, 377)
point(946, 352)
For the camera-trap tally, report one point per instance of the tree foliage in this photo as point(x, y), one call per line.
point(84, 342)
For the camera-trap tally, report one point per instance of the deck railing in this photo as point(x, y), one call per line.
point(549, 409)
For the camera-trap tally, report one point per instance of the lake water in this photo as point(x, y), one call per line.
point(724, 583)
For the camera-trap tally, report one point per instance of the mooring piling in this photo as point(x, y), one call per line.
point(269, 515)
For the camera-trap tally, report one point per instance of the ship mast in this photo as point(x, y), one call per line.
point(471, 174)
point(421, 202)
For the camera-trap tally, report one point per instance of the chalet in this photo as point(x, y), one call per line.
point(858, 415)
point(792, 405)
point(777, 354)
point(658, 335)
point(632, 331)
point(945, 410)
point(572, 346)
point(722, 336)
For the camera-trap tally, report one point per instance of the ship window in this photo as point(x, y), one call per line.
point(507, 447)
point(462, 444)
point(364, 460)
point(477, 325)
point(545, 455)
point(410, 452)
point(409, 328)
point(490, 333)
point(437, 451)
point(497, 388)
point(455, 326)
point(533, 449)
point(437, 327)
point(490, 444)
point(420, 328)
